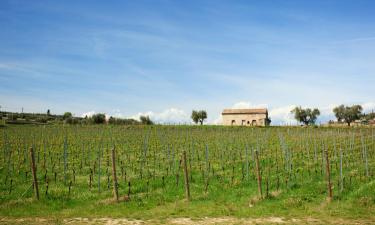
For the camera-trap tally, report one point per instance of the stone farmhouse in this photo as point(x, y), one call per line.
point(245, 117)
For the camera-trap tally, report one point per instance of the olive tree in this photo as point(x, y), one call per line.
point(348, 114)
point(67, 115)
point(198, 116)
point(306, 116)
point(146, 120)
point(98, 118)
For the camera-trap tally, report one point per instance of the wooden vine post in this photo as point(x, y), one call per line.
point(186, 175)
point(328, 175)
point(259, 177)
point(33, 170)
point(115, 184)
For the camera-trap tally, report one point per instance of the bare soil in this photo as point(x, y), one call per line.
point(183, 221)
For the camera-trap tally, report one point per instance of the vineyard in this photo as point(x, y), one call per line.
point(161, 171)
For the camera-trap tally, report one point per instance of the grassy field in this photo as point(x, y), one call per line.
point(74, 170)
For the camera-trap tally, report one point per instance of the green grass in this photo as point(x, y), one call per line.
point(231, 192)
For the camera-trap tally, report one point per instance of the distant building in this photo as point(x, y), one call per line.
point(245, 117)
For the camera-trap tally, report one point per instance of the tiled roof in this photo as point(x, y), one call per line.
point(244, 111)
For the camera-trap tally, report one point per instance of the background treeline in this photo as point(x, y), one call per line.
point(68, 118)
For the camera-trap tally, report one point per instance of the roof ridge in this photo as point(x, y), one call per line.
point(246, 111)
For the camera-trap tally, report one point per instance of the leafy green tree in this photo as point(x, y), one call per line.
point(306, 116)
point(98, 118)
point(198, 116)
point(339, 112)
point(48, 112)
point(67, 115)
point(146, 120)
point(348, 113)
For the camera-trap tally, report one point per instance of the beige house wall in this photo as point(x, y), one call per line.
point(244, 119)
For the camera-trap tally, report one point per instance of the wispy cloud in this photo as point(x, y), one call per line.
point(353, 40)
point(139, 58)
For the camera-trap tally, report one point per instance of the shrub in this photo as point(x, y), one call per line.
point(98, 118)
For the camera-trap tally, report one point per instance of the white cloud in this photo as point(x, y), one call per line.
point(282, 115)
point(172, 115)
point(246, 105)
point(279, 115)
point(368, 107)
point(217, 121)
point(88, 114)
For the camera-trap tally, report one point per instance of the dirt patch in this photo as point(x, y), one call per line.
point(181, 221)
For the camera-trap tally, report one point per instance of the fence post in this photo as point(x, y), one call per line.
point(115, 187)
point(258, 174)
point(328, 175)
point(187, 188)
point(33, 170)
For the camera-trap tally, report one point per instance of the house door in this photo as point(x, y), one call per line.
point(253, 123)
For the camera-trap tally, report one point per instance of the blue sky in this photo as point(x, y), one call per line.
point(165, 58)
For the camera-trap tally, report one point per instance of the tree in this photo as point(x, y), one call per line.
point(98, 118)
point(198, 116)
point(348, 113)
point(146, 120)
point(67, 115)
point(339, 112)
point(306, 116)
point(48, 112)
point(268, 121)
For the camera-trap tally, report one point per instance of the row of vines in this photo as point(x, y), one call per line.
point(76, 161)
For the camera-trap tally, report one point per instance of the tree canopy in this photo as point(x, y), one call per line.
point(98, 118)
point(198, 116)
point(67, 115)
point(306, 116)
point(348, 114)
point(146, 120)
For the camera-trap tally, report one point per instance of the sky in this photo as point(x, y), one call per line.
point(166, 58)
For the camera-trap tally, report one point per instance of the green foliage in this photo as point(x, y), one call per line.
point(348, 114)
point(198, 116)
point(42, 120)
point(71, 120)
point(339, 112)
point(13, 116)
point(119, 121)
point(368, 116)
point(306, 116)
point(98, 118)
point(146, 120)
point(67, 115)
point(291, 166)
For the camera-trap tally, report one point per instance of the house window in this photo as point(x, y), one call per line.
point(243, 122)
